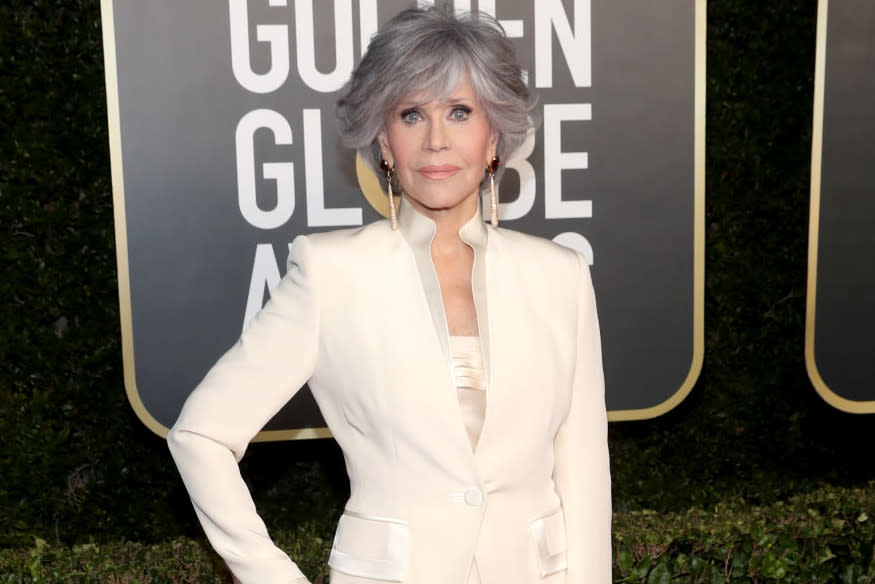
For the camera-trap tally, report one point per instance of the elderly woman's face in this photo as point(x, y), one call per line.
point(440, 150)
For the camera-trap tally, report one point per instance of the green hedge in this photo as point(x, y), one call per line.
point(822, 537)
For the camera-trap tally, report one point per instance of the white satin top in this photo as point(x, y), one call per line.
point(468, 373)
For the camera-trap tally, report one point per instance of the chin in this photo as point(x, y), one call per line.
point(441, 201)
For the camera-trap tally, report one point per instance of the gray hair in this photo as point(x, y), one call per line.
point(428, 52)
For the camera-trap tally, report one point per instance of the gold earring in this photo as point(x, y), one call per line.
point(493, 195)
point(389, 173)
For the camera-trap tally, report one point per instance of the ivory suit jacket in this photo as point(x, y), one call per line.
point(359, 316)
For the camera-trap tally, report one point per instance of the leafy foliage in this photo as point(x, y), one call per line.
point(822, 537)
point(825, 536)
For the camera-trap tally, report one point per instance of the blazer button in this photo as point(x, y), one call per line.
point(474, 497)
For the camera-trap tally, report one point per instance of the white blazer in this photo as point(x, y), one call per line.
point(359, 316)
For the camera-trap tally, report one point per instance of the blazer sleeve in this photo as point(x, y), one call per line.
point(582, 469)
point(273, 358)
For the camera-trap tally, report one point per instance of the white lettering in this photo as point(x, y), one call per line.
point(462, 6)
point(576, 44)
point(528, 183)
point(513, 28)
point(281, 172)
point(317, 214)
point(368, 24)
point(265, 272)
point(555, 161)
point(306, 43)
point(277, 38)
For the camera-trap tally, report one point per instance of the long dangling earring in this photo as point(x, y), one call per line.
point(493, 195)
point(389, 173)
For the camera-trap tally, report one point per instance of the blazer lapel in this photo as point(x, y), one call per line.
point(419, 232)
point(474, 233)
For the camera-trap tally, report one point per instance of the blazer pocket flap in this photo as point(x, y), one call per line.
point(548, 533)
point(368, 546)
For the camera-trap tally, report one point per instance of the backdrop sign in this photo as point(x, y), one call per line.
point(223, 149)
point(839, 343)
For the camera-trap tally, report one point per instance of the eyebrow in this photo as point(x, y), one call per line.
point(452, 100)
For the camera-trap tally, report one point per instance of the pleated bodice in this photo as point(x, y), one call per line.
point(468, 373)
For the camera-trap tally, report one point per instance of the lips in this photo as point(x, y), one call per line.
point(441, 172)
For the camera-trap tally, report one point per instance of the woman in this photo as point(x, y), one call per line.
point(457, 365)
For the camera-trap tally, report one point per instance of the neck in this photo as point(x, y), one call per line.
point(448, 221)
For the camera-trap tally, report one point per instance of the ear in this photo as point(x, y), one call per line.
point(492, 149)
point(385, 151)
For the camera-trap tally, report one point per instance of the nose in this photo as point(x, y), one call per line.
point(436, 139)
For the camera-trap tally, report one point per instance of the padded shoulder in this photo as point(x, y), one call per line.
point(539, 254)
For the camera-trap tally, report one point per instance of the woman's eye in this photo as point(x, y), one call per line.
point(410, 116)
point(460, 114)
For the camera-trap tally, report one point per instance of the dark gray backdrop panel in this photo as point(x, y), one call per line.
point(191, 251)
point(844, 342)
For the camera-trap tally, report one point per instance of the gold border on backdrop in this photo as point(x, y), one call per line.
point(832, 398)
point(108, 28)
point(107, 20)
point(701, 22)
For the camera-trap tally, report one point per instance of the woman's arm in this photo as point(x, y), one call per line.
point(582, 470)
point(273, 358)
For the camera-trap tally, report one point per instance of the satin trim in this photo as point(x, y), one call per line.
point(556, 561)
point(370, 517)
point(389, 569)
